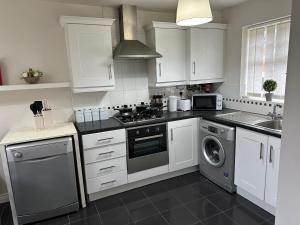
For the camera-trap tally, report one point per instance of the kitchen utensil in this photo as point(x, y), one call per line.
point(141, 108)
point(33, 109)
point(172, 103)
point(38, 106)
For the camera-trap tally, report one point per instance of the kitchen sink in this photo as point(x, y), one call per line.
point(271, 124)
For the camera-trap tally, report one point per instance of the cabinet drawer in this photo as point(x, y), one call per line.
point(106, 182)
point(104, 153)
point(103, 138)
point(105, 168)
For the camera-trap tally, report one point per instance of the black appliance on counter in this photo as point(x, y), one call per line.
point(147, 147)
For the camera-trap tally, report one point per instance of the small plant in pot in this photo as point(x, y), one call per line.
point(269, 86)
point(32, 76)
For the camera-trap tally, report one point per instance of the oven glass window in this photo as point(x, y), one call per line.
point(204, 103)
point(143, 148)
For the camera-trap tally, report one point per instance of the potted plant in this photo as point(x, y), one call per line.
point(32, 76)
point(269, 86)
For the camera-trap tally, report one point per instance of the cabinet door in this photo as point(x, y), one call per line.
point(207, 54)
point(171, 43)
point(90, 52)
point(250, 162)
point(272, 170)
point(182, 144)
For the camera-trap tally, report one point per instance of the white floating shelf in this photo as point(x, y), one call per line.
point(20, 87)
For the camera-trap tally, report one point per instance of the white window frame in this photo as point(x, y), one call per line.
point(244, 55)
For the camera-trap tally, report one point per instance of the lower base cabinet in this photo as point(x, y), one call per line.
point(183, 147)
point(257, 164)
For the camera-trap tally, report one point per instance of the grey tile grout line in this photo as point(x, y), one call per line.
point(98, 212)
point(159, 212)
point(124, 205)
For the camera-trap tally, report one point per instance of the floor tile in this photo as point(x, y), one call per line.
point(165, 201)
point(153, 220)
point(90, 210)
point(155, 189)
point(132, 196)
point(224, 200)
point(242, 215)
point(5, 214)
point(141, 209)
point(192, 178)
point(93, 220)
point(173, 183)
point(220, 219)
point(259, 211)
point(61, 220)
point(116, 216)
point(179, 216)
point(108, 203)
point(186, 194)
point(202, 209)
point(206, 188)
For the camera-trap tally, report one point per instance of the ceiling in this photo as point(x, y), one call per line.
point(155, 5)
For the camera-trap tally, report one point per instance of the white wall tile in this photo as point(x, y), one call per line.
point(116, 98)
point(130, 97)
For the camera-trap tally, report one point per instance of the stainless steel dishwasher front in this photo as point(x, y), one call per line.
point(43, 179)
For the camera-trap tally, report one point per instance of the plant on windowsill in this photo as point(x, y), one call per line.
point(269, 86)
point(32, 76)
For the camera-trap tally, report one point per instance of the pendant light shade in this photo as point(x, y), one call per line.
point(193, 12)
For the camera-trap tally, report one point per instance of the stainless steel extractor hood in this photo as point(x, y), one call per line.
point(129, 47)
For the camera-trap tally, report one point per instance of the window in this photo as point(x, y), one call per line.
point(265, 57)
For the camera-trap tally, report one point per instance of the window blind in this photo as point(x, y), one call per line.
point(267, 57)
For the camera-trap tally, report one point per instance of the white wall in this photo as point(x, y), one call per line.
point(245, 14)
point(288, 206)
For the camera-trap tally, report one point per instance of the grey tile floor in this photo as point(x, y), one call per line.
point(185, 200)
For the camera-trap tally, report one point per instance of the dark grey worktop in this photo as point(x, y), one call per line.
point(113, 124)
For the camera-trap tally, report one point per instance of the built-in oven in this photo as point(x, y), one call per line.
point(147, 147)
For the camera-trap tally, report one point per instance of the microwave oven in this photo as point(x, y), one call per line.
point(209, 101)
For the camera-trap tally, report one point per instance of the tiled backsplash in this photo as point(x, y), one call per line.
point(253, 106)
point(131, 88)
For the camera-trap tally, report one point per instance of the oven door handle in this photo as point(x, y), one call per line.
point(148, 138)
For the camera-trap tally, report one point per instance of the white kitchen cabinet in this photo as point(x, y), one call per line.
point(89, 46)
point(170, 41)
point(205, 53)
point(272, 170)
point(257, 164)
point(183, 150)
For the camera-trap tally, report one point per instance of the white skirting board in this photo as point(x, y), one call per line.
point(256, 201)
point(129, 186)
point(4, 198)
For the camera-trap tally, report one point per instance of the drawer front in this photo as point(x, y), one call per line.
point(105, 168)
point(106, 182)
point(104, 153)
point(103, 138)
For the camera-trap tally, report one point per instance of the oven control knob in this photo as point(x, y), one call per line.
point(157, 129)
point(147, 131)
point(137, 132)
point(18, 155)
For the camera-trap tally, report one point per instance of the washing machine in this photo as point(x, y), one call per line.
point(217, 154)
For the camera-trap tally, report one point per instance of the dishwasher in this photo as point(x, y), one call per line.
point(43, 179)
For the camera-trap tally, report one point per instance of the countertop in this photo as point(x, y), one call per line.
point(113, 124)
point(30, 134)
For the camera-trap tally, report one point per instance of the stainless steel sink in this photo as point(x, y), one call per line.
point(271, 124)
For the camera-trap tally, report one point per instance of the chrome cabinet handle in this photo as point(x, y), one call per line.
point(109, 182)
point(148, 138)
point(271, 154)
point(261, 151)
point(159, 65)
point(172, 138)
point(109, 72)
point(194, 67)
point(106, 153)
point(107, 168)
point(105, 139)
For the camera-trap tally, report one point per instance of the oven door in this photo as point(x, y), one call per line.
point(146, 152)
point(204, 102)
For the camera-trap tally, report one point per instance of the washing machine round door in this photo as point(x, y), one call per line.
point(213, 151)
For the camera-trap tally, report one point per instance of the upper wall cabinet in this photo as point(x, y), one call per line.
point(205, 53)
point(89, 46)
point(170, 41)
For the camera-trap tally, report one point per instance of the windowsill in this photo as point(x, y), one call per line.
point(281, 101)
